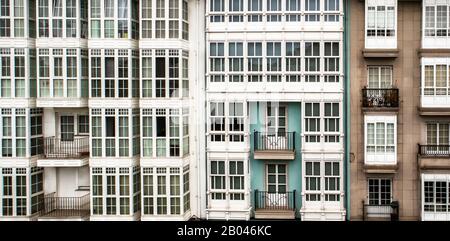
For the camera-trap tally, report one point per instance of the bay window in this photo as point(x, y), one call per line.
point(380, 139)
point(114, 190)
point(312, 61)
point(227, 179)
point(164, 133)
point(381, 19)
point(162, 190)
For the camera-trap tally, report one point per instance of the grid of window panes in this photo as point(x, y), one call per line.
point(62, 19)
point(226, 121)
point(16, 200)
point(164, 73)
point(282, 61)
point(165, 190)
point(252, 11)
point(435, 79)
point(62, 73)
point(13, 15)
point(115, 19)
point(380, 137)
point(14, 71)
point(379, 191)
point(436, 19)
point(114, 132)
point(436, 195)
point(14, 132)
point(322, 122)
point(170, 20)
point(165, 132)
point(381, 19)
point(114, 73)
point(227, 179)
point(115, 190)
point(438, 134)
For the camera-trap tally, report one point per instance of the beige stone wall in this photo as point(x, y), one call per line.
point(406, 77)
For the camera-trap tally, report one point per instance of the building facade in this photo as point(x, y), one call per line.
point(96, 104)
point(173, 109)
point(274, 93)
point(399, 147)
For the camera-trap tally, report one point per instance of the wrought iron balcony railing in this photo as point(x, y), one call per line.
point(60, 148)
point(284, 141)
point(373, 98)
point(274, 200)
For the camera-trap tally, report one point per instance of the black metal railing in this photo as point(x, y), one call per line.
point(380, 97)
point(59, 148)
point(284, 141)
point(274, 200)
point(434, 150)
point(384, 211)
point(65, 206)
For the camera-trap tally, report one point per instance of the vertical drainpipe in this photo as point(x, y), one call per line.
point(347, 106)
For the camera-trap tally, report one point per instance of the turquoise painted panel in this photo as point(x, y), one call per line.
point(257, 167)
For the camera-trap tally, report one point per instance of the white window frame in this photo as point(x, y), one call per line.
point(380, 157)
point(379, 40)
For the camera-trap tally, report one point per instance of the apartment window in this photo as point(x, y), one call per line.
point(5, 21)
point(312, 181)
point(332, 122)
point(379, 77)
point(312, 9)
point(67, 128)
point(435, 79)
point(146, 77)
point(43, 18)
point(436, 195)
point(312, 122)
point(273, 6)
point(236, 61)
point(236, 8)
point(217, 121)
point(161, 134)
point(293, 6)
point(312, 61)
point(293, 61)
point(160, 72)
point(380, 20)
point(146, 17)
point(254, 8)
point(274, 61)
point(174, 74)
point(255, 61)
point(236, 122)
point(332, 9)
point(436, 20)
point(174, 135)
point(217, 7)
point(217, 61)
point(216, 55)
point(380, 137)
point(236, 180)
point(331, 61)
point(332, 181)
point(438, 134)
point(83, 124)
point(380, 191)
point(218, 179)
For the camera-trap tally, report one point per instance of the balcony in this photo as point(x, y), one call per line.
point(278, 146)
point(434, 156)
point(65, 153)
point(274, 205)
point(380, 212)
point(380, 99)
point(68, 208)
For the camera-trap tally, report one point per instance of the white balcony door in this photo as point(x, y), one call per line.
point(276, 185)
point(276, 119)
point(379, 77)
